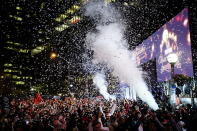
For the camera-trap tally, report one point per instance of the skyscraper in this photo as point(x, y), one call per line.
point(15, 69)
point(27, 30)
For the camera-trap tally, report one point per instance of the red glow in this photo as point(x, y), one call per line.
point(53, 55)
point(178, 18)
point(75, 21)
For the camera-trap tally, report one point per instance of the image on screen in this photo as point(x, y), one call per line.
point(172, 37)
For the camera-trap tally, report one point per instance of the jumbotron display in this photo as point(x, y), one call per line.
point(173, 37)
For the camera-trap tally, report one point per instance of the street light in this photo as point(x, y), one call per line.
point(53, 55)
point(172, 59)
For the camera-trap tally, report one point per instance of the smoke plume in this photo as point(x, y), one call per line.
point(110, 48)
point(100, 82)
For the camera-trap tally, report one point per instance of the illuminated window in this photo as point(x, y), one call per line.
point(24, 51)
point(37, 50)
point(13, 43)
point(42, 5)
point(7, 65)
point(2, 77)
point(18, 44)
point(76, 7)
point(63, 16)
point(72, 10)
point(20, 82)
point(16, 77)
point(75, 19)
point(17, 18)
point(7, 70)
point(61, 27)
point(40, 40)
point(18, 8)
point(58, 19)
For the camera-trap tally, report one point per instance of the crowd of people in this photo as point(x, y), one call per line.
point(94, 114)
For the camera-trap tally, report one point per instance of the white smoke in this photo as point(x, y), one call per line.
point(100, 82)
point(99, 11)
point(110, 48)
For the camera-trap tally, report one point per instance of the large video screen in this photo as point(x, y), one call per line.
point(173, 37)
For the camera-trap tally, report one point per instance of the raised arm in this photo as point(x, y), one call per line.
point(99, 120)
point(101, 110)
point(113, 109)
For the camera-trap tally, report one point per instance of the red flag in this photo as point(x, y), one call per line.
point(38, 98)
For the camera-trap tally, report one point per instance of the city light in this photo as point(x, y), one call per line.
point(53, 55)
point(172, 58)
point(61, 27)
point(38, 50)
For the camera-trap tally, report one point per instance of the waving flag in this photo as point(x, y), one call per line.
point(38, 98)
